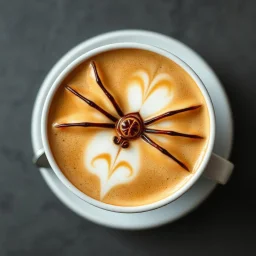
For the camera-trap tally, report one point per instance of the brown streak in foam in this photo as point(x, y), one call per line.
point(104, 156)
point(121, 164)
point(156, 87)
point(139, 80)
point(150, 83)
point(107, 158)
point(119, 150)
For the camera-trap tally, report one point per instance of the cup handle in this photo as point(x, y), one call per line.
point(40, 159)
point(218, 169)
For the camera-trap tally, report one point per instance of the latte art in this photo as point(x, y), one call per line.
point(130, 155)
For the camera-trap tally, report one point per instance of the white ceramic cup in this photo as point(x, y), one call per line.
point(212, 166)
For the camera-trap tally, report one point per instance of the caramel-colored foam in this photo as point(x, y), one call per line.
point(143, 174)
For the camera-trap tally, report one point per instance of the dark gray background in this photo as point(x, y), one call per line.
point(33, 36)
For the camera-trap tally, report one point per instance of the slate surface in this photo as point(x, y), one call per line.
point(33, 36)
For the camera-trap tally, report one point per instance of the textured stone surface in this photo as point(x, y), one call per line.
point(33, 36)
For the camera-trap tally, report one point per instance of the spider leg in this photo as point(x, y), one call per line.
point(92, 104)
point(162, 150)
point(172, 133)
point(170, 113)
point(109, 95)
point(86, 124)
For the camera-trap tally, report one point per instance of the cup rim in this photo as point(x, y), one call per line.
point(127, 209)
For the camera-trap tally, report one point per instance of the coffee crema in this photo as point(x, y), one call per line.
point(128, 127)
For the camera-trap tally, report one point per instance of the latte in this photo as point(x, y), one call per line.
point(128, 127)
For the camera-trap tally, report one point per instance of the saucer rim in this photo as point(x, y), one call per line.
point(95, 41)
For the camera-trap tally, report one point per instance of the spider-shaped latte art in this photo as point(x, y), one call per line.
point(130, 126)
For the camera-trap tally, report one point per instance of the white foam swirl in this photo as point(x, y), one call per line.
point(110, 162)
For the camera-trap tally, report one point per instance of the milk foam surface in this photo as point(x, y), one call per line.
point(142, 82)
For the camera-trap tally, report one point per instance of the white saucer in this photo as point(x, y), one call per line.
point(197, 194)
